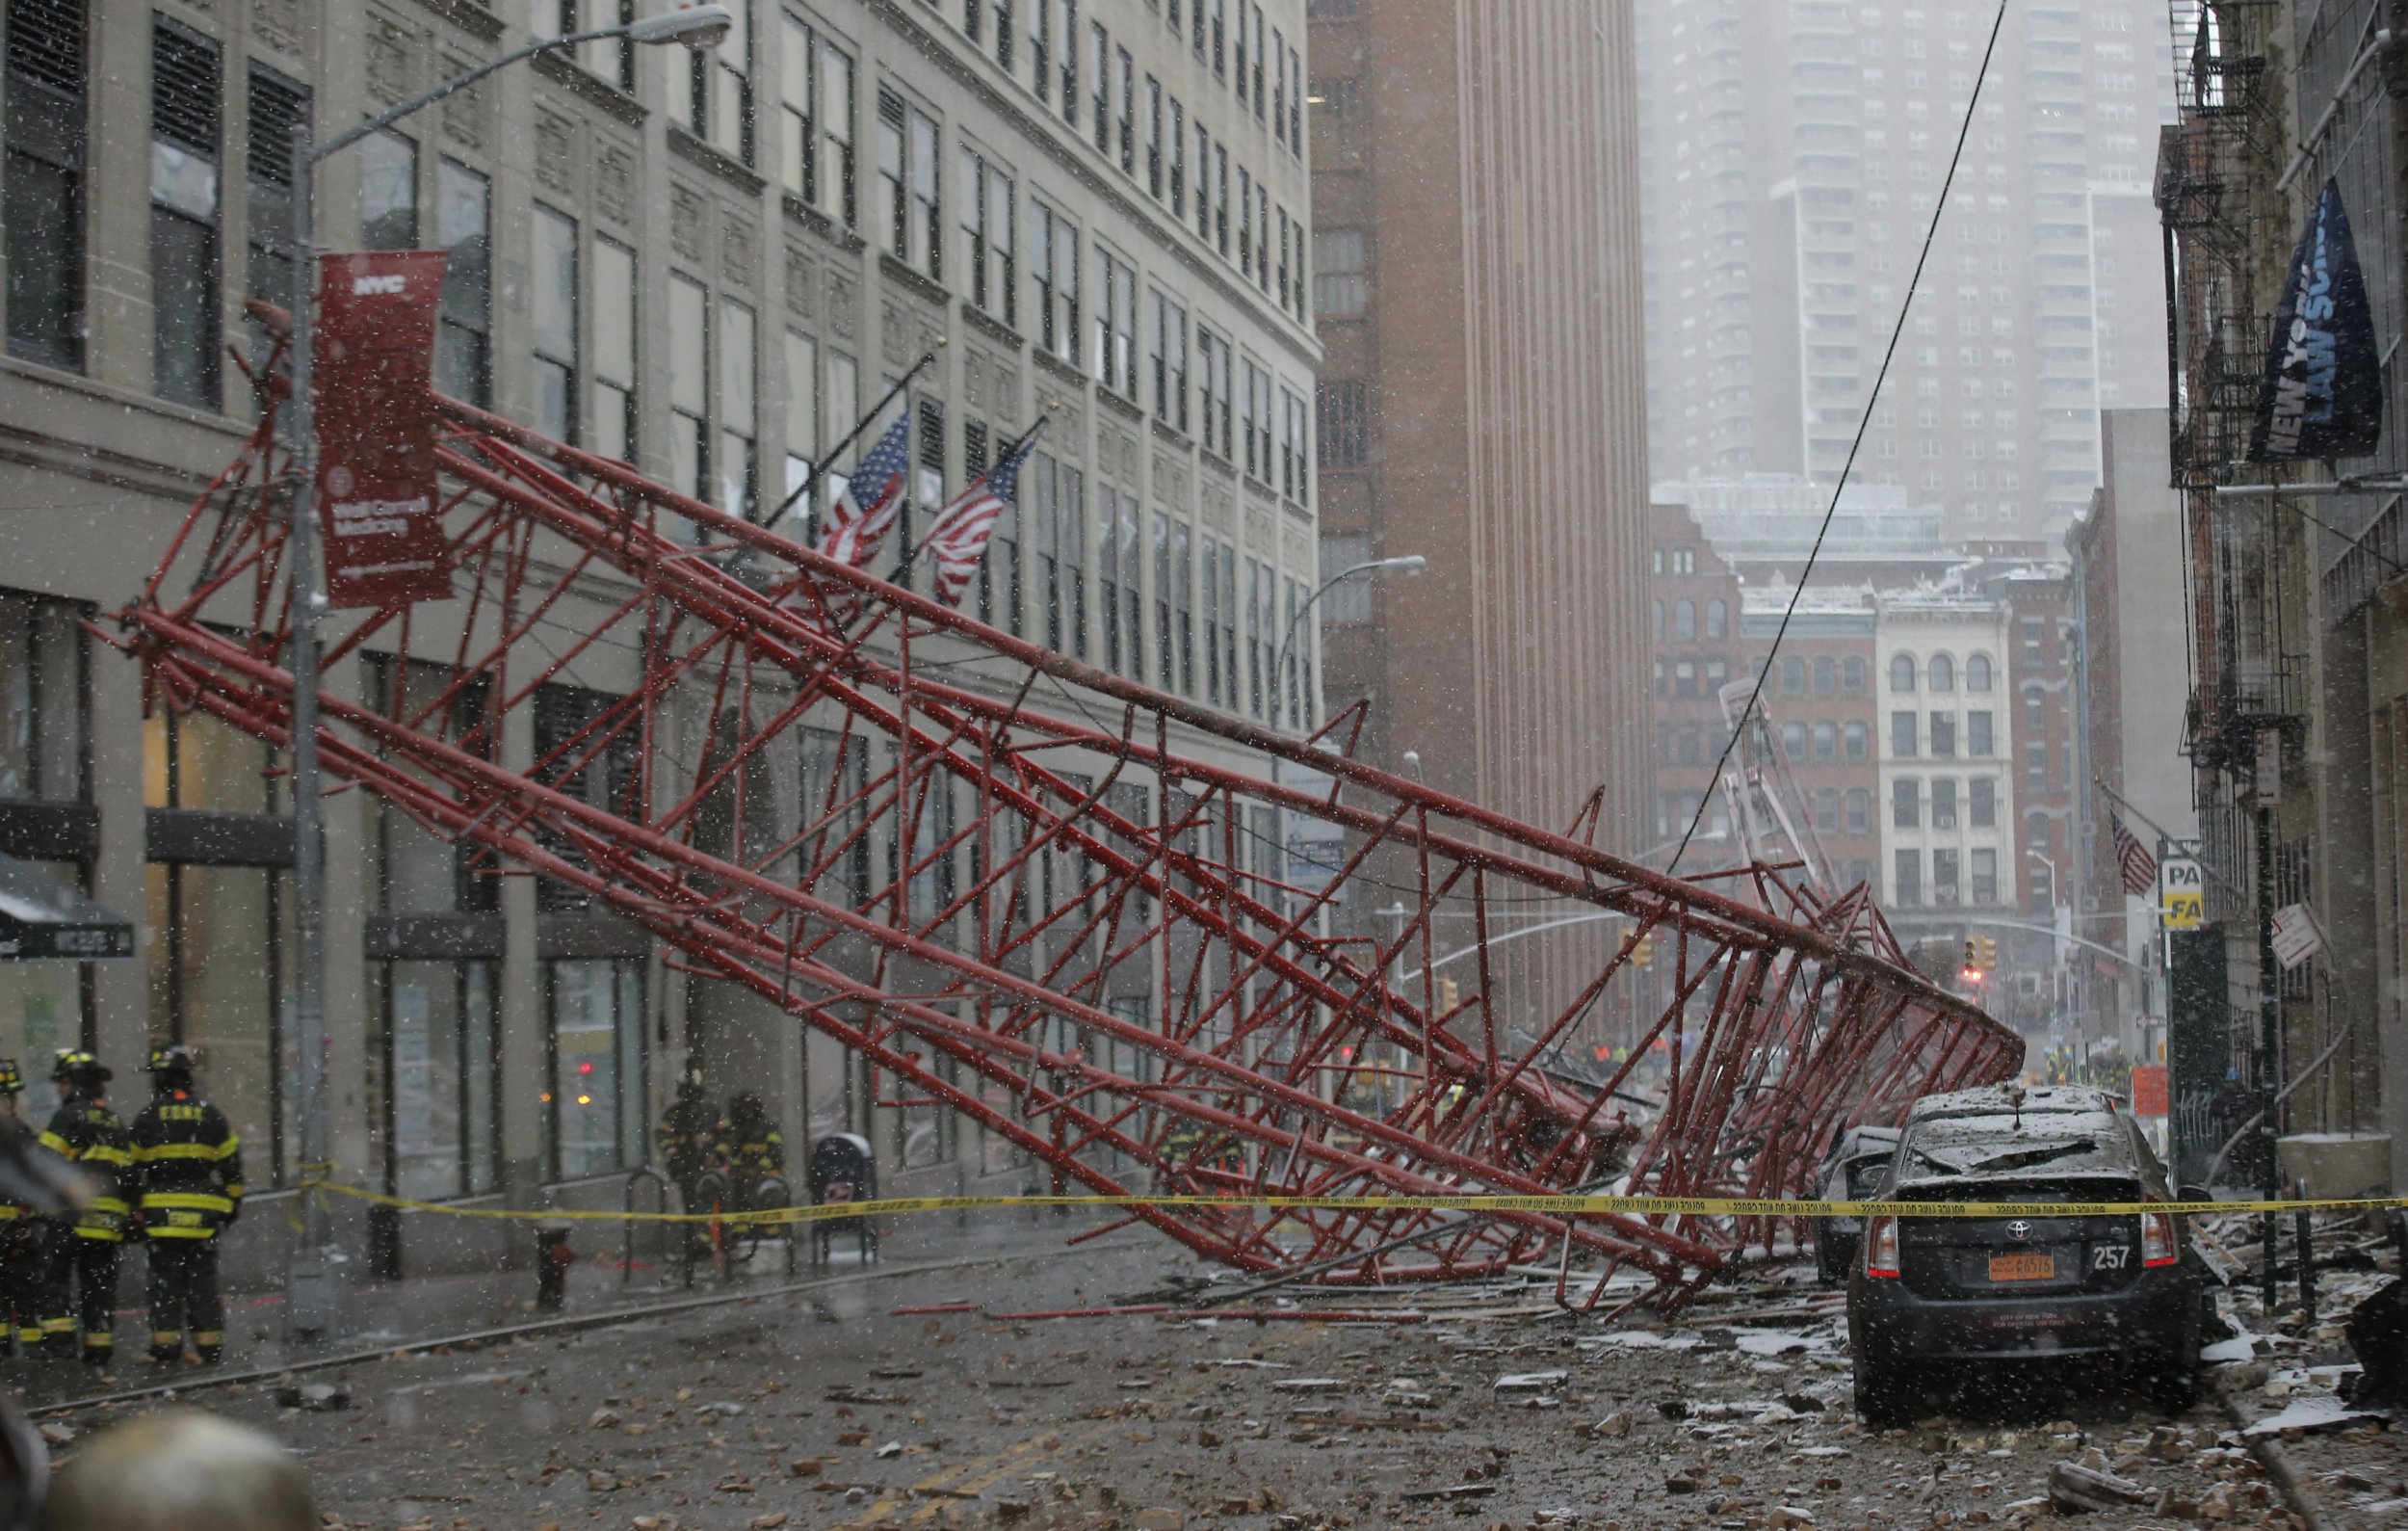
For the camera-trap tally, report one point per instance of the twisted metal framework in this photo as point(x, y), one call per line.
point(984, 965)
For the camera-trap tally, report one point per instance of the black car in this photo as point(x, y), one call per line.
point(2121, 1293)
point(1848, 1173)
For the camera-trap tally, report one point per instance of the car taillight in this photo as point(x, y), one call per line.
point(1881, 1246)
point(2158, 1245)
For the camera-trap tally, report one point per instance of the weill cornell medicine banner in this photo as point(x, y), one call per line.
point(377, 495)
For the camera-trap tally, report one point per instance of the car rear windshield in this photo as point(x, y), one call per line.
point(2069, 1188)
point(1986, 1148)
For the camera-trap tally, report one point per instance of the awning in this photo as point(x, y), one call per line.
point(40, 917)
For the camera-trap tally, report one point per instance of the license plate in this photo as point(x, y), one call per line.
point(2023, 1267)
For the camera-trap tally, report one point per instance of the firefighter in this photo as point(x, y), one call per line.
point(85, 1244)
point(189, 1165)
point(24, 1242)
point(747, 1147)
point(685, 1134)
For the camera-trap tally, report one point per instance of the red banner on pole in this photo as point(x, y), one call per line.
point(2149, 1093)
point(377, 495)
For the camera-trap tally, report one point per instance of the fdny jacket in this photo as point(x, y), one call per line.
point(188, 1165)
point(86, 1133)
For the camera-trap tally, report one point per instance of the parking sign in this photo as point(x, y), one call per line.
point(2182, 887)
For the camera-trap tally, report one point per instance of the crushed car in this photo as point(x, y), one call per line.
point(1848, 1173)
point(2119, 1295)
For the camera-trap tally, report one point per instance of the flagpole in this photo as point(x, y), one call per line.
point(2128, 806)
point(819, 470)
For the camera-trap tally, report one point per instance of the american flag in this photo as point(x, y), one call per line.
point(958, 538)
point(2139, 867)
point(865, 514)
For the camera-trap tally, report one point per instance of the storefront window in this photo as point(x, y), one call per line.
point(595, 1104)
point(220, 953)
point(437, 1052)
point(42, 1003)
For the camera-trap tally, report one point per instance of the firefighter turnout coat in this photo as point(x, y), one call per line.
point(188, 1165)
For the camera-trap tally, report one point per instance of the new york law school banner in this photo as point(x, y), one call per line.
point(377, 500)
point(2322, 397)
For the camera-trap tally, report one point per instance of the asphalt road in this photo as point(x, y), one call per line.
point(827, 1409)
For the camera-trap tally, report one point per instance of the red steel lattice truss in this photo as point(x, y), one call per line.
point(1284, 1061)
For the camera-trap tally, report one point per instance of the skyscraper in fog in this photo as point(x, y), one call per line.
point(1795, 150)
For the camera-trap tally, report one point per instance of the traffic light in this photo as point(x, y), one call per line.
point(1643, 955)
point(1970, 972)
point(1446, 993)
point(1989, 954)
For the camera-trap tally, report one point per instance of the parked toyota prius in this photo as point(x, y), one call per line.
point(2120, 1295)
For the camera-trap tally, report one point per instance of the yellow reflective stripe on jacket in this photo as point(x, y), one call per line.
point(153, 1152)
point(107, 1203)
point(180, 1234)
point(108, 1154)
point(185, 1201)
point(57, 1145)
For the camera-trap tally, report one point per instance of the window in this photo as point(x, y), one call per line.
point(1125, 94)
point(1182, 603)
point(1981, 807)
point(1859, 811)
point(1260, 58)
point(1053, 260)
point(1343, 429)
point(1295, 465)
point(1245, 222)
point(1943, 672)
point(1944, 734)
point(1826, 742)
point(1342, 287)
point(1906, 879)
point(1944, 802)
point(1902, 735)
point(894, 205)
point(1977, 672)
point(2036, 767)
point(1254, 409)
point(1220, 34)
point(1852, 675)
point(718, 87)
point(1906, 804)
point(1209, 591)
point(988, 225)
point(1792, 674)
point(1114, 357)
point(1228, 644)
point(1858, 745)
point(802, 426)
point(689, 385)
point(1003, 34)
point(1154, 128)
point(1826, 677)
point(926, 209)
point(595, 1106)
point(1793, 741)
point(1977, 740)
point(2034, 635)
point(1279, 87)
point(1165, 651)
point(1214, 388)
point(433, 1062)
point(553, 284)
point(1719, 623)
point(1178, 161)
point(614, 293)
point(1221, 198)
point(462, 341)
point(736, 465)
point(1338, 124)
point(1685, 619)
point(1167, 358)
point(1108, 574)
point(816, 120)
point(42, 177)
point(1945, 886)
point(1283, 260)
point(1902, 672)
point(1099, 66)
point(275, 106)
point(184, 206)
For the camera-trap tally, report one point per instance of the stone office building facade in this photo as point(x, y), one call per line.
point(1095, 213)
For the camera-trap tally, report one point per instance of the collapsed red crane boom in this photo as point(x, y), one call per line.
point(988, 963)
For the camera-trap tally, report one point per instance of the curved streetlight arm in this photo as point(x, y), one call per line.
point(1410, 563)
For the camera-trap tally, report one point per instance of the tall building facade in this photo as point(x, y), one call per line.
point(1476, 287)
point(1094, 215)
point(1795, 157)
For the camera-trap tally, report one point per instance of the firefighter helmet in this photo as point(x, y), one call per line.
point(12, 1077)
point(173, 1062)
point(80, 1069)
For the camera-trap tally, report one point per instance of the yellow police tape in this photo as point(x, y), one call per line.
point(1573, 1205)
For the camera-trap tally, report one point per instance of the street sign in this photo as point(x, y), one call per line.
point(2296, 937)
point(1315, 847)
point(2182, 887)
point(2268, 773)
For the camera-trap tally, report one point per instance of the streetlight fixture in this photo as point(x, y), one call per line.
point(1405, 564)
point(309, 1275)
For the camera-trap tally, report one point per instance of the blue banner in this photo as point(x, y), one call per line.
point(2322, 397)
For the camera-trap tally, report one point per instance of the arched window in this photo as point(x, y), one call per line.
point(1685, 619)
point(1943, 672)
point(1826, 678)
point(1859, 811)
point(1826, 742)
point(1977, 672)
point(1902, 672)
point(1852, 675)
point(1859, 742)
point(1827, 810)
point(1794, 739)
point(1660, 621)
point(1717, 619)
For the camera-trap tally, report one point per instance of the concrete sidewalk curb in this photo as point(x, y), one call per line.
point(2277, 1464)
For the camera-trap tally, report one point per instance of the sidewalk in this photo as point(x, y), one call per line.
point(413, 1312)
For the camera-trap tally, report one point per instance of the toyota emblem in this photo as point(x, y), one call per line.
point(2018, 1229)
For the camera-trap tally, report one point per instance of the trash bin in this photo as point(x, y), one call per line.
point(843, 1169)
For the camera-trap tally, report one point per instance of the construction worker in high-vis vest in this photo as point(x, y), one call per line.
point(84, 1255)
point(24, 1237)
point(188, 1164)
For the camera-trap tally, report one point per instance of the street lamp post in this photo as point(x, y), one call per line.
point(309, 1275)
point(1407, 564)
